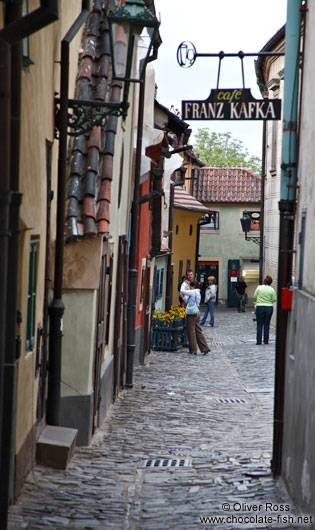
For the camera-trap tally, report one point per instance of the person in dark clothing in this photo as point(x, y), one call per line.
point(240, 291)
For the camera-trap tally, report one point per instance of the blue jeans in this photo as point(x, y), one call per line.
point(209, 309)
point(263, 317)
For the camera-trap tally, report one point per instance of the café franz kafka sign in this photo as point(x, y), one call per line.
point(232, 104)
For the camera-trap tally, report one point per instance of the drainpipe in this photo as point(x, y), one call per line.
point(134, 231)
point(286, 207)
point(15, 30)
point(56, 307)
point(262, 203)
point(169, 280)
point(13, 12)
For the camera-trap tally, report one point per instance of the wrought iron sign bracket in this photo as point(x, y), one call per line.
point(84, 114)
point(254, 239)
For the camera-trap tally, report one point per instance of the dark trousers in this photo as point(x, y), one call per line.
point(263, 317)
point(241, 301)
point(195, 335)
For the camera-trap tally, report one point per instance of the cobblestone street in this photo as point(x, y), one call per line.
point(213, 413)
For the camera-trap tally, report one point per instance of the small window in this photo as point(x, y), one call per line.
point(213, 224)
point(161, 283)
point(31, 298)
point(176, 229)
point(157, 284)
point(187, 264)
point(190, 230)
point(27, 61)
point(180, 271)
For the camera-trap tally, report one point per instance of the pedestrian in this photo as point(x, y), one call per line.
point(265, 297)
point(180, 298)
point(240, 291)
point(194, 331)
point(186, 285)
point(210, 298)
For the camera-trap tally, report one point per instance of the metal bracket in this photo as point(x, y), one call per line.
point(86, 114)
point(254, 239)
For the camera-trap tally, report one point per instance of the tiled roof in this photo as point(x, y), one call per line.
point(184, 201)
point(91, 159)
point(226, 184)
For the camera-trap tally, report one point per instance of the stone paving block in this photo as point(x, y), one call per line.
point(172, 410)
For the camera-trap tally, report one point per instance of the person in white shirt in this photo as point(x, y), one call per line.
point(210, 298)
point(194, 331)
point(186, 285)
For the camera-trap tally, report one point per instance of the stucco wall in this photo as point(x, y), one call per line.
point(298, 459)
point(229, 241)
point(39, 84)
point(78, 341)
point(184, 245)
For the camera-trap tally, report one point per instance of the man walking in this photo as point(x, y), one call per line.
point(240, 291)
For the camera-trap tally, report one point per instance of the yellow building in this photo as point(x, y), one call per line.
point(187, 212)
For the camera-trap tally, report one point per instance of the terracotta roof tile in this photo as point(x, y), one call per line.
point(215, 184)
point(91, 160)
point(184, 201)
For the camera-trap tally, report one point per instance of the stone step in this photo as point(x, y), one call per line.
point(55, 446)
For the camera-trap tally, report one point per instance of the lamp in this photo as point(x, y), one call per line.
point(132, 29)
point(246, 222)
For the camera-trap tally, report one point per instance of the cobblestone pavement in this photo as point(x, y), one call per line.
point(213, 412)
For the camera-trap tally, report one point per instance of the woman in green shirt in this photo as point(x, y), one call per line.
point(265, 297)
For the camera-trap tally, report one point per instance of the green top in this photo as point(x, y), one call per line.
point(265, 295)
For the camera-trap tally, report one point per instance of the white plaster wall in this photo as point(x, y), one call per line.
point(79, 335)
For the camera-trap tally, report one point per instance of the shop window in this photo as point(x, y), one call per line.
point(31, 297)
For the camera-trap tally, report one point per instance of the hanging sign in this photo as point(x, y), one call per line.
point(232, 104)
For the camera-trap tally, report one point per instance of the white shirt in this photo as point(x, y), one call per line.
point(192, 293)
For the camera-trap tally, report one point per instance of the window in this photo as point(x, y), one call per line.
point(190, 230)
point(31, 298)
point(161, 283)
point(176, 229)
point(180, 271)
point(156, 284)
point(187, 264)
point(27, 61)
point(213, 222)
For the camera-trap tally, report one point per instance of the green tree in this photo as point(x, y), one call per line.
point(222, 150)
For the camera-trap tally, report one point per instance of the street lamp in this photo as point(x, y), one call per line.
point(132, 28)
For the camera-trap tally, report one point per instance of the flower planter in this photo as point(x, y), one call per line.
point(166, 335)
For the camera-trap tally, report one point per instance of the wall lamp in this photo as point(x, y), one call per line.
point(246, 222)
point(132, 30)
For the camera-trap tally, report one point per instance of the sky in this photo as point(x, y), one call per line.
point(212, 26)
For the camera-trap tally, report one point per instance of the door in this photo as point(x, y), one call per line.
point(99, 343)
point(233, 277)
point(205, 270)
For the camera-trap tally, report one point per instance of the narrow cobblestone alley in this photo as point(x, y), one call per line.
point(214, 413)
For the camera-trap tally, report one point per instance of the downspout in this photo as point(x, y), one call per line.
point(169, 277)
point(134, 232)
point(11, 34)
point(13, 12)
point(287, 210)
point(56, 307)
point(262, 204)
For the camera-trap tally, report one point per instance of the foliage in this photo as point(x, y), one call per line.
point(167, 318)
point(222, 150)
